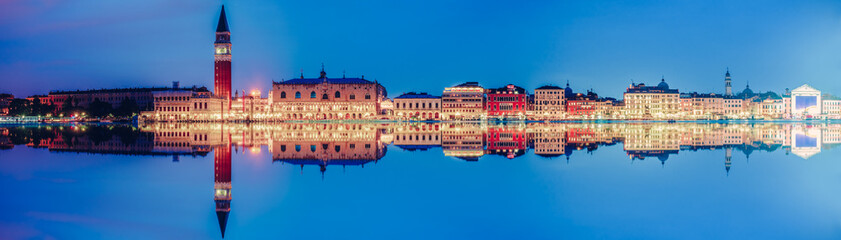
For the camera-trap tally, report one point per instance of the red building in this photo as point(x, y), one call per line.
point(507, 102)
point(222, 70)
point(582, 104)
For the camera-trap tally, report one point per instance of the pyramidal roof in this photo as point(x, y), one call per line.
point(223, 22)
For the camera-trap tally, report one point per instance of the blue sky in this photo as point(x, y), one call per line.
point(424, 45)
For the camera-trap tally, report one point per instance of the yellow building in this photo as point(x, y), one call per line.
point(549, 103)
point(646, 102)
point(463, 102)
point(417, 106)
point(326, 98)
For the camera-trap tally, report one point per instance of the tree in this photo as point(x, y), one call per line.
point(128, 107)
point(20, 107)
point(100, 108)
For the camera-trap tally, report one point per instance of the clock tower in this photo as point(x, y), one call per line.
point(222, 57)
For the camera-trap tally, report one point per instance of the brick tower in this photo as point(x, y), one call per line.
point(222, 68)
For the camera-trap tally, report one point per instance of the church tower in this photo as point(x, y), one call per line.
point(222, 56)
point(728, 90)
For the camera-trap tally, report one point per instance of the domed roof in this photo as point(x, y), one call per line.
point(568, 90)
point(663, 84)
point(747, 92)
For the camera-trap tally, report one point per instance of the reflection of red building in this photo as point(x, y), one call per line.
point(506, 141)
point(508, 101)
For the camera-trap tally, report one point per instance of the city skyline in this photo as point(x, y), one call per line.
point(265, 54)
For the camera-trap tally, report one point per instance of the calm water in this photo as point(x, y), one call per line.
point(421, 181)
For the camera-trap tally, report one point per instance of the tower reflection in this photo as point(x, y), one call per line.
point(222, 180)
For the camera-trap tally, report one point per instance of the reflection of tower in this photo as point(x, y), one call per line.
point(728, 90)
point(222, 181)
point(728, 153)
point(222, 68)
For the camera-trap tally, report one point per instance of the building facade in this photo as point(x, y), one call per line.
point(646, 102)
point(463, 102)
point(417, 106)
point(326, 98)
point(549, 103)
point(509, 102)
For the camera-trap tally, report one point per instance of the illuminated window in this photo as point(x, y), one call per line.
point(312, 94)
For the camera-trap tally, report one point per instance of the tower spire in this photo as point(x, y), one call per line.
point(223, 22)
point(728, 89)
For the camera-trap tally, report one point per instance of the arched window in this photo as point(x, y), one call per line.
point(312, 94)
point(282, 94)
point(324, 96)
point(338, 94)
point(283, 148)
point(297, 148)
point(367, 96)
point(338, 148)
point(297, 94)
point(312, 148)
point(352, 96)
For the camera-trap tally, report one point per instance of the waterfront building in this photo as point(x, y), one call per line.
point(549, 103)
point(179, 104)
point(652, 102)
point(733, 107)
point(250, 107)
point(326, 98)
point(142, 97)
point(702, 105)
point(806, 102)
point(589, 106)
point(417, 106)
point(509, 102)
point(831, 106)
point(465, 101)
point(771, 106)
point(5, 102)
point(222, 60)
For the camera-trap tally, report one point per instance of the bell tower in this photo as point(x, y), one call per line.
point(222, 57)
point(728, 90)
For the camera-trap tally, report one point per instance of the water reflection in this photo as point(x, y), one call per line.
point(324, 145)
